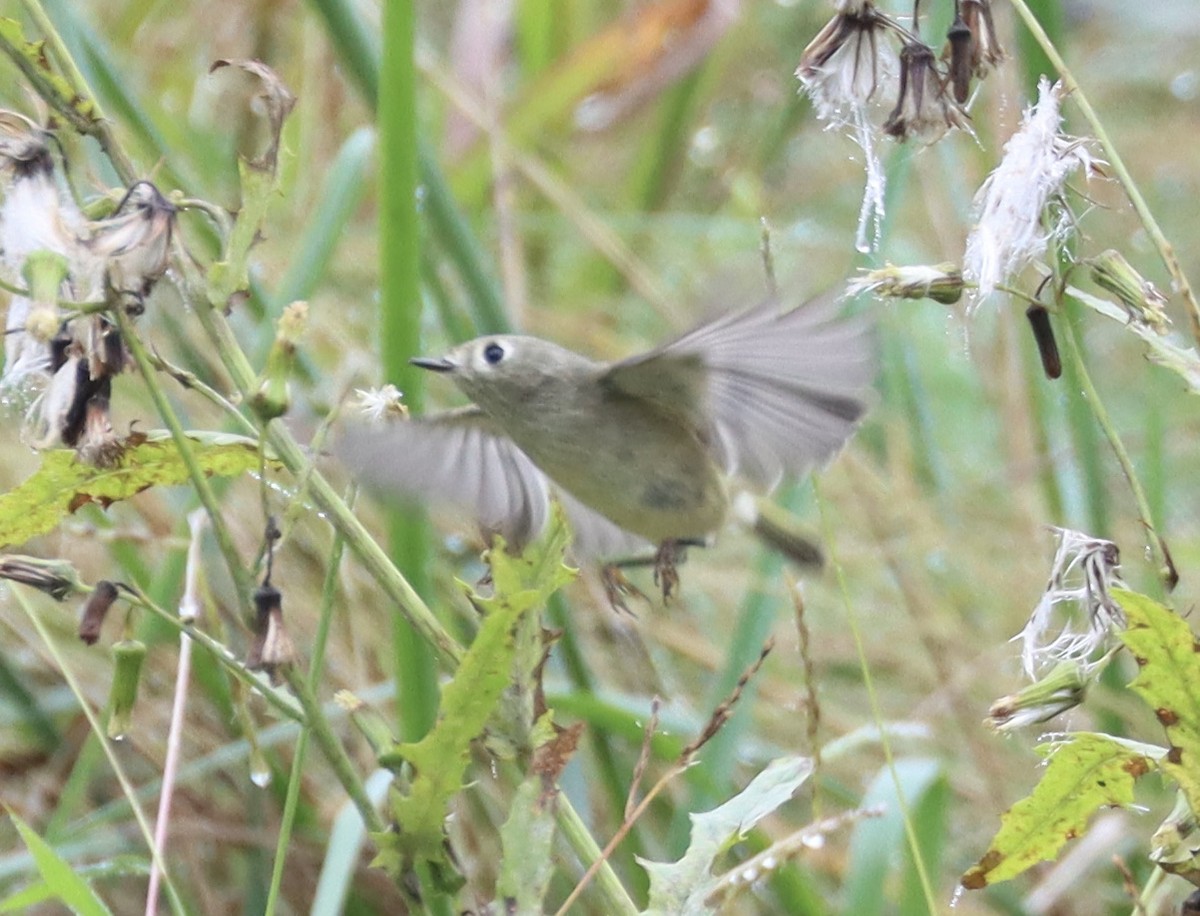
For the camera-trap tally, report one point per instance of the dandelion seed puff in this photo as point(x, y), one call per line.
point(1012, 229)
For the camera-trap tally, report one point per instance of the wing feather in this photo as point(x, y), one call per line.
point(462, 458)
point(776, 392)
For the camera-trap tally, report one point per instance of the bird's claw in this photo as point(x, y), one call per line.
point(617, 586)
point(666, 576)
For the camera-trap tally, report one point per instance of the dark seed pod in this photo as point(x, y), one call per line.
point(1043, 334)
point(959, 41)
point(95, 609)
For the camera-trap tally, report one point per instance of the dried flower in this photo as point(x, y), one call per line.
point(1060, 690)
point(939, 282)
point(272, 647)
point(377, 404)
point(1139, 296)
point(134, 243)
point(843, 68)
point(56, 578)
point(1013, 227)
point(95, 609)
point(923, 109)
point(1084, 570)
point(986, 52)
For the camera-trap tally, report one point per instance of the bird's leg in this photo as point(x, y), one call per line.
point(666, 576)
point(617, 586)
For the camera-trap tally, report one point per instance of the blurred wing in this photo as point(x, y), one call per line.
point(777, 392)
point(462, 458)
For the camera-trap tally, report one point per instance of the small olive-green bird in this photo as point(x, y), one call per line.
point(639, 452)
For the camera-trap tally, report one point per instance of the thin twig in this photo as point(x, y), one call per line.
point(189, 606)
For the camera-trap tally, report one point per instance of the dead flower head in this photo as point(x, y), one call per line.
point(923, 108)
point(1076, 614)
point(939, 282)
point(845, 66)
point(1019, 208)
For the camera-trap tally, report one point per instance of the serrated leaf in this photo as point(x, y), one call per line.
point(1168, 678)
point(526, 839)
point(63, 483)
point(68, 887)
point(1086, 772)
point(439, 760)
point(683, 886)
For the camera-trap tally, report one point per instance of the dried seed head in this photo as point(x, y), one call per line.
point(940, 282)
point(1076, 615)
point(272, 648)
point(134, 243)
point(923, 109)
point(1014, 226)
point(1060, 690)
point(1139, 296)
point(986, 53)
point(56, 578)
point(845, 66)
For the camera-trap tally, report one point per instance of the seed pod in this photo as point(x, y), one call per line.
point(95, 609)
point(128, 656)
point(1043, 334)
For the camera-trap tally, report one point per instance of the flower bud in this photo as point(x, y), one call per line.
point(56, 578)
point(372, 726)
point(271, 397)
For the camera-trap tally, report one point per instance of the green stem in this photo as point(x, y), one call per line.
point(1092, 396)
point(237, 572)
point(1117, 165)
point(332, 748)
point(572, 827)
point(873, 700)
point(218, 651)
point(98, 731)
point(400, 322)
point(99, 126)
point(315, 668)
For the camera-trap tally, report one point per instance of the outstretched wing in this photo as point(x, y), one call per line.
point(462, 458)
point(776, 392)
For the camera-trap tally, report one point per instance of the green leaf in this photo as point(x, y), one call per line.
point(72, 890)
point(1086, 772)
point(439, 760)
point(62, 484)
point(1169, 680)
point(683, 886)
point(527, 837)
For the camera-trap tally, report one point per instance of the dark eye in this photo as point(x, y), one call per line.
point(493, 353)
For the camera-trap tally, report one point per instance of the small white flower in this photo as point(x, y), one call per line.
point(379, 403)
point(1013, 225)
point(1076, 615)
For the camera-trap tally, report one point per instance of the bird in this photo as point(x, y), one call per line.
point(642, 453)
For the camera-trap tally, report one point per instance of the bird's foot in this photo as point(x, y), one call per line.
point(666, 576)
point(617, 587)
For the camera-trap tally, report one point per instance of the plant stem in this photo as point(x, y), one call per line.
point(1157, 546)
point(873, 699)
point(126, 786)
point(1165, 250)
point(237, 571)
